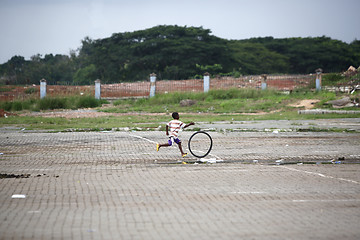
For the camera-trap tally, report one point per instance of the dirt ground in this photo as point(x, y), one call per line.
point(306, 103)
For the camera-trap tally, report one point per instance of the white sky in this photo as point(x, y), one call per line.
point(30, 27)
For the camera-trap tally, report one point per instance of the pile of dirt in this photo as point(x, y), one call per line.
point(307, 103)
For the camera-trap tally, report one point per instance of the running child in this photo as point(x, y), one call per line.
point(172, 130)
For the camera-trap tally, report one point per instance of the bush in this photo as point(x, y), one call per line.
point(87, 102)
point(49, 103)
point(332, 79)
point(16, 106)
point(30, 90)
point(52, 103)
point(6, 106)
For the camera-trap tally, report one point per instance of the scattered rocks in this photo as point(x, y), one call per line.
point(341, 103)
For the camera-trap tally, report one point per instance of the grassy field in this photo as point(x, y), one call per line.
point(150, 113)
point(221, 101)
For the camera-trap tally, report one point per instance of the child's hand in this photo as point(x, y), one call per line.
point(192, 123)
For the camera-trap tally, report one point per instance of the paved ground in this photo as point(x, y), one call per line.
point(348, 124)
point(114, 185)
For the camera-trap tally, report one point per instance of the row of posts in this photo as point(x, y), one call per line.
point(153, 84)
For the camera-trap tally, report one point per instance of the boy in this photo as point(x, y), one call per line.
point(174, 126)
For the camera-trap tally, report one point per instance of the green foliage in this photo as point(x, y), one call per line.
point(87, 102)
point(49, 103)
point(332, 79)
point(219, 105)
point(175, 52)
point(170, 51)
point(255, 58)
point(220, 101)
point(306, 54)
point(212, 69)
point(52, 103)
point(6, 89)
point(85, 76)
point(31, 90)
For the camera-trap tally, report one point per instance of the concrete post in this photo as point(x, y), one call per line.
point(318, 79)
point(97, 89)
point(42, 88)
point(263, 82)
point(206, 82)
point(152, 84)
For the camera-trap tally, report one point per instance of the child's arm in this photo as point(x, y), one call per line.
point(189, 124)
point(167, 130)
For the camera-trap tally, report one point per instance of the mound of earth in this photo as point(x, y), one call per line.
point(306, 103)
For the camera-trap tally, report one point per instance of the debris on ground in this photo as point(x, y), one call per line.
point(342, 103)
point(351, 71)
point(5, 114)
point(187, 102)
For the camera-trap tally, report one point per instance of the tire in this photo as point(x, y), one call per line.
point(200, 144)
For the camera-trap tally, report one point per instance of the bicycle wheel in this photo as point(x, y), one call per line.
point(200, 144)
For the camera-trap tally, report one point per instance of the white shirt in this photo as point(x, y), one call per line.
point(175, 126)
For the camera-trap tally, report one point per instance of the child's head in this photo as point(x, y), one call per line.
point(175, 115)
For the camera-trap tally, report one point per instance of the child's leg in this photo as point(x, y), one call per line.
point(178, 141)
point(168, 144)
point(164, 145)
point(180, 147)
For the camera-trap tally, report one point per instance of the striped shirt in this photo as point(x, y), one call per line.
point(175, 126)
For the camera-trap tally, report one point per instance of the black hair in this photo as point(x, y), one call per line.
point(175, 115)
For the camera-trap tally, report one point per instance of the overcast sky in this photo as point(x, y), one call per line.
point(30, 27)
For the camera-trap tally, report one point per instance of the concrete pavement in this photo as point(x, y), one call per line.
point(114, 185)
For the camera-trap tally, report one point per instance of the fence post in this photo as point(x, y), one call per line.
point(42, 88)
point(263, 82)
point(152, 84)
point(318, 79)
point(97, 89)
point(206, 82)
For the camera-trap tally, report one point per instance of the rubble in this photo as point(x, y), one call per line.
point(351, 71)
point(341, 103)
point(5, 114)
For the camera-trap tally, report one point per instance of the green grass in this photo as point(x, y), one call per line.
point(217, 105)
point(334, 79)
point(50, 103)
point(148, 122)
point(220, 101)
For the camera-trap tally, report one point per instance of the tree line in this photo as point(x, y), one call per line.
point(176, 52)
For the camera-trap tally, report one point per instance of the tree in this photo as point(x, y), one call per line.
point(85, 76)
point(175, 52)
point(254, 58)
point(170, 51)
point(14, 70)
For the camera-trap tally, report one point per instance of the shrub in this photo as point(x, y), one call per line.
point(30, 90)
point(16, 106)
point(52, 103)
point(49, 103)
point(332, 79)
point(87, 102)
point(6, 106)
